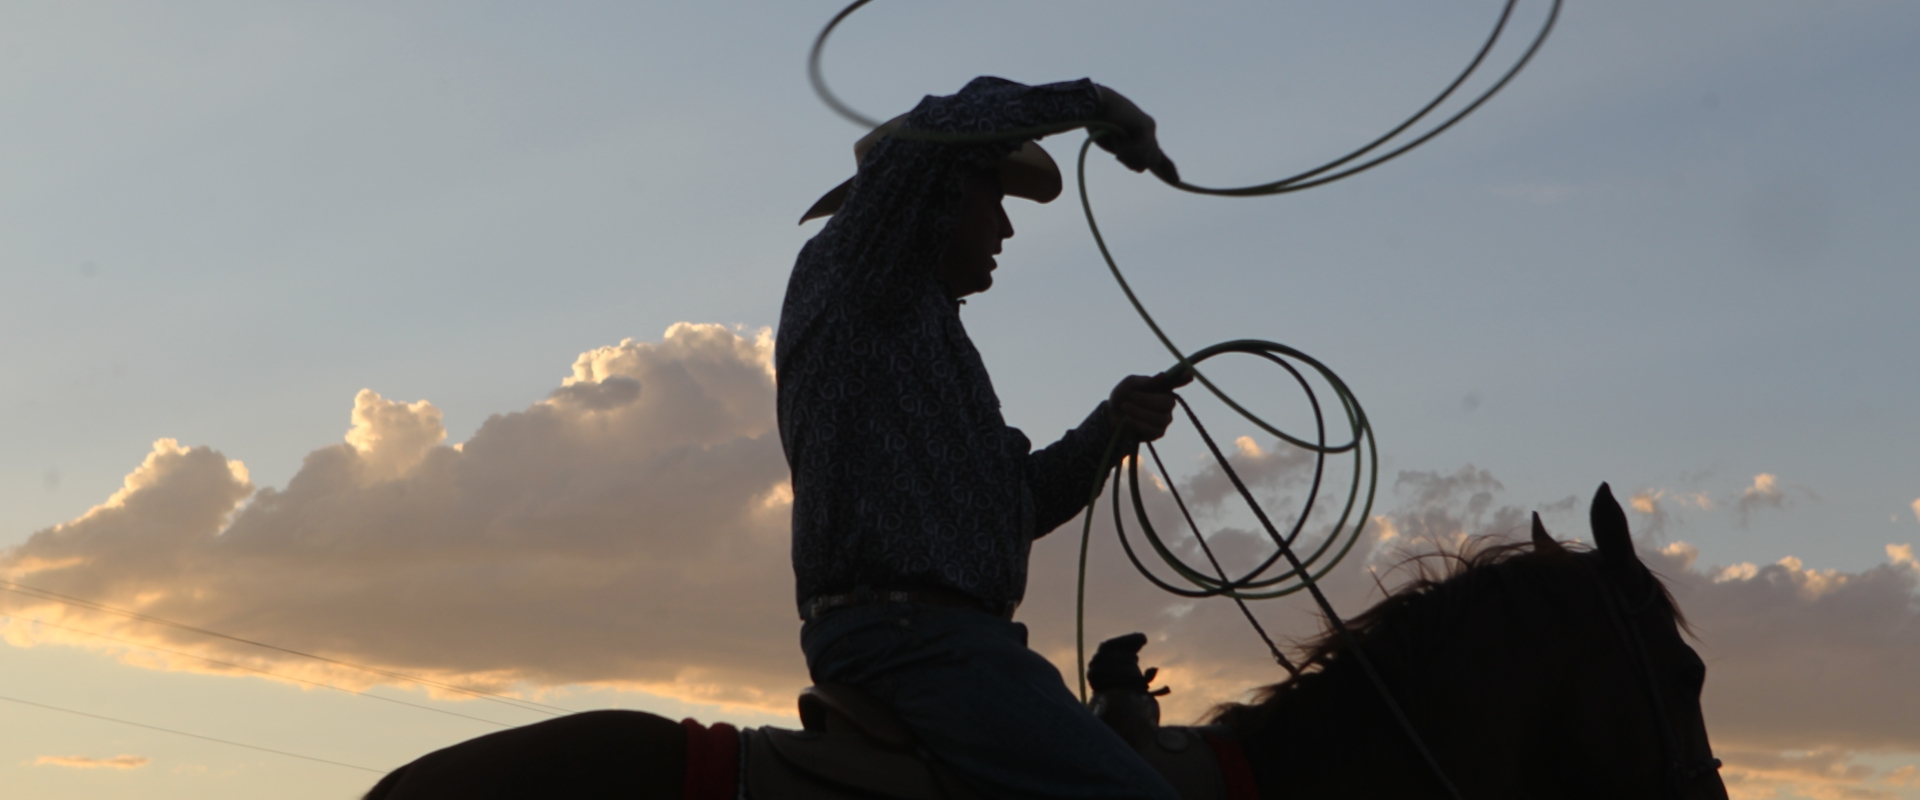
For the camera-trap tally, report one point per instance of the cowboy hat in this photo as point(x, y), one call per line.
point(1028, 172)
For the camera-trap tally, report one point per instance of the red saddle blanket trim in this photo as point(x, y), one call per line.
point(1233, 768)
point(713, 762)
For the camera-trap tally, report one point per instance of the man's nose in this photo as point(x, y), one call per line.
point(1006, 224)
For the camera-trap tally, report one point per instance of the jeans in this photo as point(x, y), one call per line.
point(991, 712)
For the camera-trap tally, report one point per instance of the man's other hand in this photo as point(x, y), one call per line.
point(1143, 406)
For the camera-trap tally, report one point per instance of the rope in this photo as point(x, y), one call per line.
point(1278, 657)
point(1304, 180)
point(1254, 584)
point(1303, 574)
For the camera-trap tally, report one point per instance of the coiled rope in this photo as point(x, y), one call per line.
point(1301, 573)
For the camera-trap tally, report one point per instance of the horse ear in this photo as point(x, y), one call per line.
point(1542, 542)
point(1610, 532)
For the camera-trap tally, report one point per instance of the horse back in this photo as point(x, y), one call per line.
point(629, 754)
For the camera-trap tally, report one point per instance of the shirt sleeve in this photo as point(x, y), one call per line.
point(1062, 475)
point(899, 213)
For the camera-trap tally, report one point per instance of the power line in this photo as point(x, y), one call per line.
point(266, 672)
point(43, 594)
point(191, 735)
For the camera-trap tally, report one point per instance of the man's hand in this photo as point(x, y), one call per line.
point(1143, 406)
point(1134, 144)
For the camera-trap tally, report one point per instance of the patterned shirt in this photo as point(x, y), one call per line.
point(904, 473)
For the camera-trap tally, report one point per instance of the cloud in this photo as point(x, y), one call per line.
point(1205, 649)
point(85, 762)
point(1648, 502)
point(1902, 554)
point(1443, 510)
point(1908, 775)
point(1916, 508)
point(1273, 468)
point(389, 438)
point(1820, 774)
point(1804, 658)
point(630, 529)
point(1764, 493)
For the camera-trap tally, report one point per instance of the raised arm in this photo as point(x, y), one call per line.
point(898, 213)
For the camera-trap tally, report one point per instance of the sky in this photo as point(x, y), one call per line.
point(435, 337)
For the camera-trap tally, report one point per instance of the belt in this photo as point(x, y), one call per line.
point(822, 604)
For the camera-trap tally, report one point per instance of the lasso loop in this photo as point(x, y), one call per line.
point(1305, 180)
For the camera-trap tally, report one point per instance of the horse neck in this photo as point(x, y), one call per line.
point(1475, 700)
point(1332, 738)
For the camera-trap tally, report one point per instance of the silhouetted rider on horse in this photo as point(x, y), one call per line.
point(915, 504)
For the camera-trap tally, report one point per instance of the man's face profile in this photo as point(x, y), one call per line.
point(966, 267)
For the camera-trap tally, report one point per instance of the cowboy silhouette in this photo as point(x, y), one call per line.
point(915, 504)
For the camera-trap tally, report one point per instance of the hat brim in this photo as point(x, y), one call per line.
point(1028, 172)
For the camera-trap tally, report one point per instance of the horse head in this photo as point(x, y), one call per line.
point(1647, 627)
point(1542, 670)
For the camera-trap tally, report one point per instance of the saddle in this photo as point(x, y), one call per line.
point(852, 747)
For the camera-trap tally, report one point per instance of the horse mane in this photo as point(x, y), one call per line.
point(1419, 614)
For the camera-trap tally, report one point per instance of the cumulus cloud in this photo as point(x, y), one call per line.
point(1916, 508)
point(389, 438)
point(1802, 657)
point(629, 529)
point(1808, 669)
point(85, 762)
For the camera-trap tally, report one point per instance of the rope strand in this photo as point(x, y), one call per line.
point(1167, 477)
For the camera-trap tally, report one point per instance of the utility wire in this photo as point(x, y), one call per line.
point(190, 735)
point(44, 594)
point(269, 673)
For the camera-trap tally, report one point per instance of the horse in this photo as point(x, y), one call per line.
point(1538, 669)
